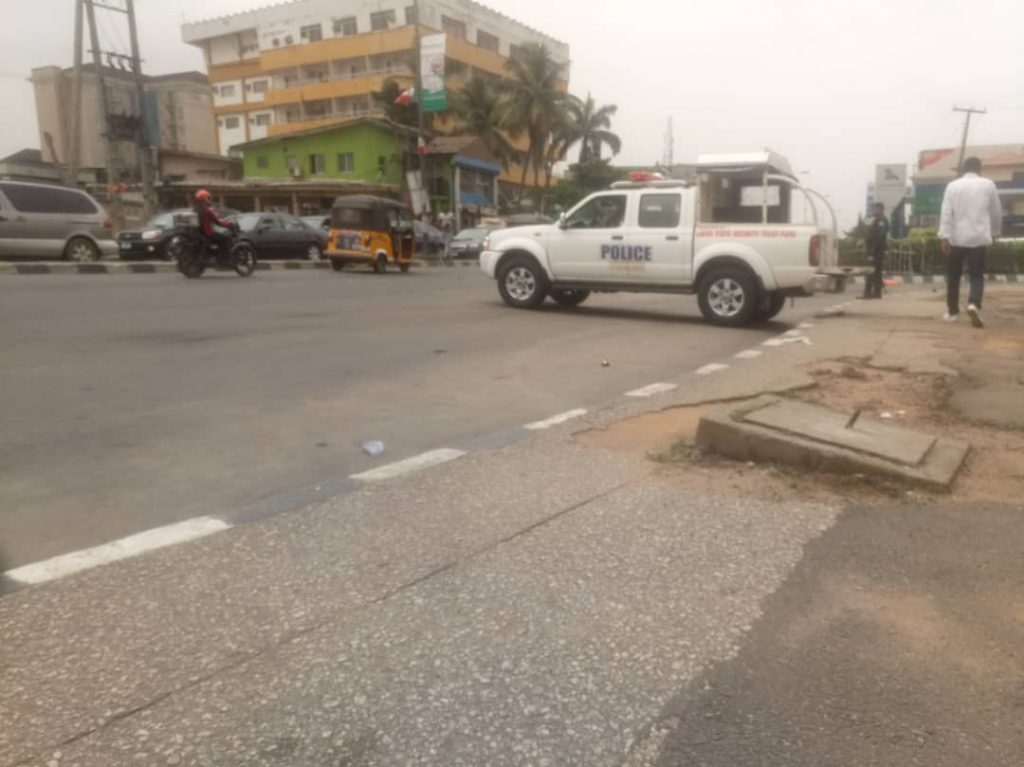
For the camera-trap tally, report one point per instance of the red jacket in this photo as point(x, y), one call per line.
point(208, 217)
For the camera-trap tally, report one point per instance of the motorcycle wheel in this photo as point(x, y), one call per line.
point(191, 268)
point(244, 259)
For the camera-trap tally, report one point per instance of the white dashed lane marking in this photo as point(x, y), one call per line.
point(122, 548)
point(408, 465)
point(748, 354)
point(652, 389)
point(554, 420)
point(714, 367)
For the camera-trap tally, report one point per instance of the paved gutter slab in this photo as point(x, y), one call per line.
point(728, 432)
point(865, 435)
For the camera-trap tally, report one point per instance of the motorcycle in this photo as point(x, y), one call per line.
point(195, 254)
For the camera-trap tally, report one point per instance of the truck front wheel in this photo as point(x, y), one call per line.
point(774, 303)
point(728, 296)
point(522, 283)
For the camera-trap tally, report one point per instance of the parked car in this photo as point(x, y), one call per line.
point(318, 222)
point(429, 239)
point(279, 235)
point(468, 243)
point(52, 221)
point(151, 240)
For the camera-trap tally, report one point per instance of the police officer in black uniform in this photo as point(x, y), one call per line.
point(876, 241)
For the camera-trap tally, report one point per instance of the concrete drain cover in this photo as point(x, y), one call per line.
point(865, 434)
point(814, 437)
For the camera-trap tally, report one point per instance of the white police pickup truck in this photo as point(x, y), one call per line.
point(729, 237)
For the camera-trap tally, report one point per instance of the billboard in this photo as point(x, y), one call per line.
point(890, 185)
point(432, 73)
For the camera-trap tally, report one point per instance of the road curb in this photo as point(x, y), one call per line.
point(164, 267)
point(935, 279)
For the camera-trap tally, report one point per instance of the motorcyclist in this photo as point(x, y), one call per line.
point(208, 219)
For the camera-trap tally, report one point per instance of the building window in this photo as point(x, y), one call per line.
point(262, 120)
point(316, 164)
point(381, 20)
point(312, 33)
point(290, 80)
point(486, 41)
point(346, 26)
point(226, 91)
point(262, 162)
point(453, 27)
point(346, 162)
point(410, 15)
point(259, 86)
point(231, 123)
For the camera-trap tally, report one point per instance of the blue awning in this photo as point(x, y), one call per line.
point(472, 198)
point(474, 164)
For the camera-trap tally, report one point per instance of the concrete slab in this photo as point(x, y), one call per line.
point(729, 432)
point(865, 434)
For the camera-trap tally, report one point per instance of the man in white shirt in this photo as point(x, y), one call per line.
point(970, 221)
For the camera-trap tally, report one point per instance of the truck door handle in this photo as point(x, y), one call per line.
point(672, 237)
point(616, 236)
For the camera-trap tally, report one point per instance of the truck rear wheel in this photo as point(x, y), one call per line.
point(522, 283)
point(728, 296)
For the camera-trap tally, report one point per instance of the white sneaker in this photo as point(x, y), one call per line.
point(947, 317)
point(975, 314)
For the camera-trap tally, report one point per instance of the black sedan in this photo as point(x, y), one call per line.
point(468, 243)
point(279, 235)
point(149, 241)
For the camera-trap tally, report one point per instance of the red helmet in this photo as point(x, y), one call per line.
point(202, 195)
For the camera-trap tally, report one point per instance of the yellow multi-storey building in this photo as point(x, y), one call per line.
point(307, 63)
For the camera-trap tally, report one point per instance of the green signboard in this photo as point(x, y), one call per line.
point(432, 73)
point(928, 199)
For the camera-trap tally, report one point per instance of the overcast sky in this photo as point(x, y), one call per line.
point(836, 86)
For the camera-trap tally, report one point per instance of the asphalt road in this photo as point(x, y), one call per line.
point(133, 401)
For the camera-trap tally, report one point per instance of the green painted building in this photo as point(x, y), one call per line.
point(364, 150)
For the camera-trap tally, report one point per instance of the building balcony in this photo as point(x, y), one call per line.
point(331, 89)
point(322, 51)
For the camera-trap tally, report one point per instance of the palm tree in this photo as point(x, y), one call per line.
point(564, 134)
point(535, 102)
point(592, 125)
point(480, 108)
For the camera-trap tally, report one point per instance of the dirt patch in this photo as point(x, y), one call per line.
point(993, 471)
point(653, 433)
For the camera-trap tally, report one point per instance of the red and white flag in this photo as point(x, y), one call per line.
point(406, 97)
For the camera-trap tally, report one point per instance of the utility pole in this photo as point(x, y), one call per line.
point(668, 154)
point(145, 156)
point(101, 87)
point(75, 144)
point(967, 126)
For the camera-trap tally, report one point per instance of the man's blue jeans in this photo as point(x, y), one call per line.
point(974, 258)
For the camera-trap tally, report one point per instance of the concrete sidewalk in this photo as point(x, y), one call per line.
point(539, 604)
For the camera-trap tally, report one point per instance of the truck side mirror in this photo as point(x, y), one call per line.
point(562, 222)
